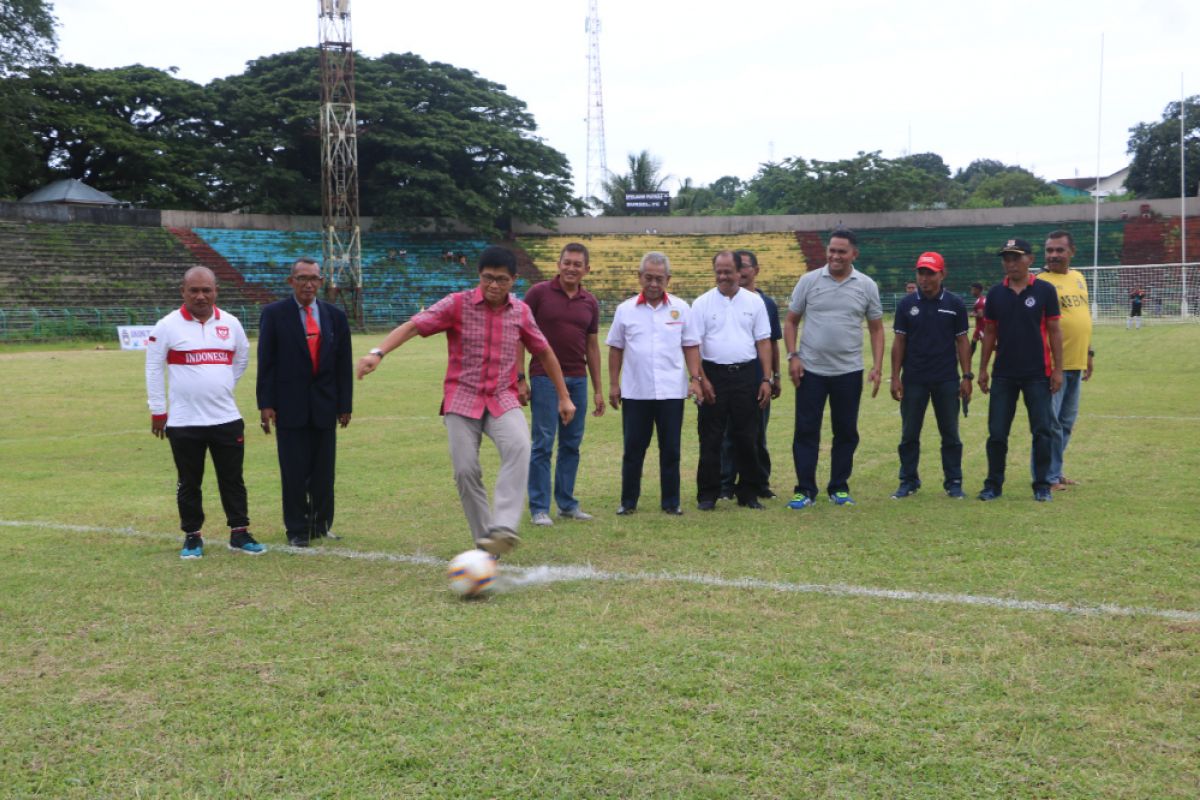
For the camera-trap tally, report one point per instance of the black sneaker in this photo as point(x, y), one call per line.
point(243, 542)
point(193, 546)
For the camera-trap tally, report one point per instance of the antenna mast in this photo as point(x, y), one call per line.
point(341, 245)
point(597, 162)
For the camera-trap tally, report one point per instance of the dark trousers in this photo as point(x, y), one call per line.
point(226, 442)
point(917, 396)
point(736, 408)
point(844, 392)
point(306, 469)
point(729, 471)
point(1001, 409)
point(639, 420)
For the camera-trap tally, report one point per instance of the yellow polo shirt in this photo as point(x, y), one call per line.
point(1076, 318)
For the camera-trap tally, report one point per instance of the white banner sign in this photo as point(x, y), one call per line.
point(133, 337)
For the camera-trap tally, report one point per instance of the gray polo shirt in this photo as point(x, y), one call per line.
point(831, 341)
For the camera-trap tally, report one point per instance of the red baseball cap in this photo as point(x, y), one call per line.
point(931, 261)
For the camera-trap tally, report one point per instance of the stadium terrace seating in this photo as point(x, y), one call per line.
point(401, 272)
point(615, 258)
point(57, 265)
point(889, 254)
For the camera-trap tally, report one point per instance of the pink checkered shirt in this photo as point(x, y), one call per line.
point(481, 374)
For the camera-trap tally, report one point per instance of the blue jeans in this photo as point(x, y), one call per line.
point(844, 392)
point(543, 402)
point(1064, 409)
point(917, 397)
point(639, 420)
point(1001, 409)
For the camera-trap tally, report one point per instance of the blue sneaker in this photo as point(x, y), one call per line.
point(905, 490)
point(1043, 495)
point(244, 542)
point(955, 492)
point(800, 500)
point(841, 499)
point(988, 494)
point(193, 546)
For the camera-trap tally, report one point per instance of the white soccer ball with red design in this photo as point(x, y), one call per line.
point(471, 573)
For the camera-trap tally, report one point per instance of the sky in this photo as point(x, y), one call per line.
point(713, 89)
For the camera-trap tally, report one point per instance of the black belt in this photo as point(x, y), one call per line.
point(728, 367)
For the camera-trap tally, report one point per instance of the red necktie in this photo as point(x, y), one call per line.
point(312, 332)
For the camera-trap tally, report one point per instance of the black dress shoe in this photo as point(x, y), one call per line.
point(725, 495)
point(622, 511)
point(675, 512)
point(767, 494)
point(296, 541)
point(706, 505)
point(751, 503)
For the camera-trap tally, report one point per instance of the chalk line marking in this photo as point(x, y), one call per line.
point(514, 577)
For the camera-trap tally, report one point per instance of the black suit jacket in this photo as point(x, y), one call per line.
point(286, 381)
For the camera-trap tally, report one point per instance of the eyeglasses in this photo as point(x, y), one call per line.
point(307, 278)
point(499, 280)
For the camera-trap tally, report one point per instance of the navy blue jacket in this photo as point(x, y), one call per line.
point(286, 381)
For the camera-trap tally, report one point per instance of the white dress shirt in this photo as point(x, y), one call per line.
point(653, 338)
point(728, 327)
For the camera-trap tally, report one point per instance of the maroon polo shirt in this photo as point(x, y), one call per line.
point(566, 323)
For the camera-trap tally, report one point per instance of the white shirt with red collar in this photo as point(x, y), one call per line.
point(203, 361)
point(653, 338)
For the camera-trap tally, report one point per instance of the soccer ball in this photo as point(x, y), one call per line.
point(471, 573)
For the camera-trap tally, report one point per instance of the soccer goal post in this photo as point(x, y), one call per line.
point(1169, 292)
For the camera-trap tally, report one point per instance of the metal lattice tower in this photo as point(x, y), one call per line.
point(597, 162)
point(341, 246)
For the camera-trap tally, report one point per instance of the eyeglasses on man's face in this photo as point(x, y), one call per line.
point(307, 278)
point(499, 280)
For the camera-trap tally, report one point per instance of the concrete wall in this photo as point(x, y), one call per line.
point(95, 215)
point(682, 226)
point(581, 226)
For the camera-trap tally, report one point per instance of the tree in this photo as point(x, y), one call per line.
point(1155, 149)
point(978, 170)
point(27, 35)
point(135, 132)
point(643, 176)
point(1013, 187)
point(434, 140)
point(863, 184)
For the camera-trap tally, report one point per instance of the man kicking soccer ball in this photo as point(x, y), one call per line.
point(484, 325)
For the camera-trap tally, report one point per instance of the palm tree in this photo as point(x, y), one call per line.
point(642, 177)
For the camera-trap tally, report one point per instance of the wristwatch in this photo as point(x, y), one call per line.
point(793, 354)
point(968, 376)
point(375, 351)
point(520, 376)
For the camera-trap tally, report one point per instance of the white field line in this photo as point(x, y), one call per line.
point(515, 577)
point(1136, 416)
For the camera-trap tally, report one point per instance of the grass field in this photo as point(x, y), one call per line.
point(1042, 651)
